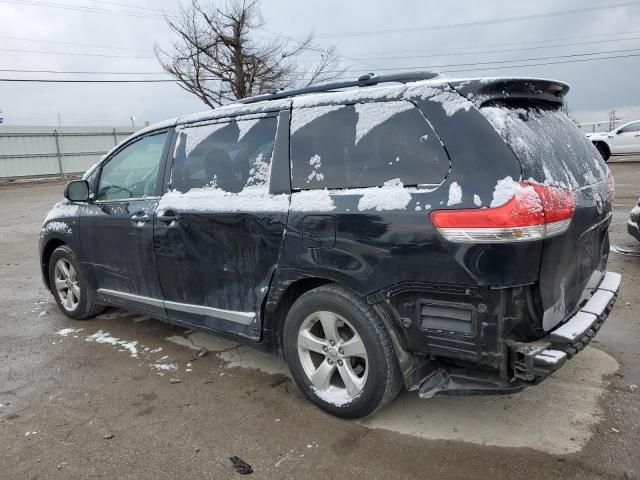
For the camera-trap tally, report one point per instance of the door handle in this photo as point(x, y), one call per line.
point(168, 217)
point(140, 217)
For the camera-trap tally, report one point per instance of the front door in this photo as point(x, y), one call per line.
point(627, 139)
point(219, 231)
point(117, 226)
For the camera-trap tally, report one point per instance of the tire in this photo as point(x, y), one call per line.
point(74, 298)
point(603, 150)
point(368, 361)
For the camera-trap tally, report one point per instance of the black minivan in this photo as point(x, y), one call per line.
point(408, 231)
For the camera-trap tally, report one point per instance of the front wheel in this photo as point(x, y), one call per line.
point(340, 353)
point(69, 288)
point(603, 150)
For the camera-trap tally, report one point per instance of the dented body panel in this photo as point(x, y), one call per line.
point(465, 317)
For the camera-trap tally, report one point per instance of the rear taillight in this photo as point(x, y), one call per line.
point(612, 186)
point(533, 212)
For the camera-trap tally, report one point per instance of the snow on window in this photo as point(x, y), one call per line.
point(455, 194)
point(245, 126)
point(316, 163)
point(211, 199)
point(370, 115)
point(260, 172)
point(196, 135)
point(477, 201)
point(312, 201)
point(549, 146)
point(304, 116)
point(451, 102)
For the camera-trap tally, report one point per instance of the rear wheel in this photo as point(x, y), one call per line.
point(340, 353)
point(603, 150)
point(69, 287)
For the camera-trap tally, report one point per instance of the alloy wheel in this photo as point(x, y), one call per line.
point(66, 284)
point(333, 356)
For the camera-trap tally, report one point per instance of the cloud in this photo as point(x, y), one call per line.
point(596, 86)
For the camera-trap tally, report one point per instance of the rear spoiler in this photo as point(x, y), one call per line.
point(488, 90)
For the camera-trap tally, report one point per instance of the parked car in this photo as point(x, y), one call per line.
point(634, 221)
point(445, 236)
point(621, 141)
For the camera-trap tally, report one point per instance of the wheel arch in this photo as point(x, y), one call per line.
point(412, 367)
point(604, 144)
point(47, 251)
point(290, 294)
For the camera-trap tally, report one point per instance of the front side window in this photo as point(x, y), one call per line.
point(364, 145)
point(633, 127)
point(132, 172)
point(230, 155)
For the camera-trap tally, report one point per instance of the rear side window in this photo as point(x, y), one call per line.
point(364, 145)
point(229, 155)
point(548, 144)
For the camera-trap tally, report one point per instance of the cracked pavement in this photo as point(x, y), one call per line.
point(72, 408)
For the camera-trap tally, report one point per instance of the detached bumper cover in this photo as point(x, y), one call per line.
point(532, 362)
point(535, 361)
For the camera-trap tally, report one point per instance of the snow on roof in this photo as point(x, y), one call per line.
point(355, 94)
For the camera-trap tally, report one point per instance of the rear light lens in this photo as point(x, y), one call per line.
point(612, 186)
point(534, 212)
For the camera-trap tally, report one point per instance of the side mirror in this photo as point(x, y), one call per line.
point(618, 131)
point(77, 191)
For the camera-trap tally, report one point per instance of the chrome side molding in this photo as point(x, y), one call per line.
point(244, 318)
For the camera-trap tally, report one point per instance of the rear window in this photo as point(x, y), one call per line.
point(364, 145)
point(548, 144)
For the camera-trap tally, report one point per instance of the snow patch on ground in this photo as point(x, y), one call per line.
point(106, 338)
point(65, 332)
point(455, 194)
point(165, 367)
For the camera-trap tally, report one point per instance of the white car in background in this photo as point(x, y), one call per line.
point(624, 140)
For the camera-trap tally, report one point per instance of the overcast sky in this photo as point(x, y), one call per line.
point(371, 35)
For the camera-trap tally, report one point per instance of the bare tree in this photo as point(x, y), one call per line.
point(219, 58)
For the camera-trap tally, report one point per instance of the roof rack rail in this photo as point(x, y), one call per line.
point(366, 80)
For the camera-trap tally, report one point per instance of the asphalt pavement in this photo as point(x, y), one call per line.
point(126, 396)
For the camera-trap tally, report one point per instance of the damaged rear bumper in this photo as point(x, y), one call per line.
point(532, 362)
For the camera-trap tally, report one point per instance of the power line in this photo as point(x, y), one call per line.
point(76, 72)
point(577, 60)
point(502, 61)
point(509, 44)
point(78, 8)
point(33, 80)
point(47, 52)
point(110, 47)
point(475, 23)
point(496, 51)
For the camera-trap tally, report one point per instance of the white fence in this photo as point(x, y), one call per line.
point(49, 151)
